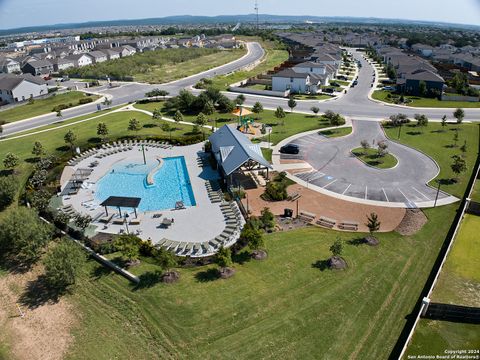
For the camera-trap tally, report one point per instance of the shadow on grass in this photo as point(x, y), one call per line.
point(447, 181)
point(207, 275)
point(38, 293)
point(414, 133)
point(63, 148)
point(101, 271)
point(94, 140)
point(356, 242)
point(148, 279)
point(149, 126)
point(242, 257)
point(322, 265)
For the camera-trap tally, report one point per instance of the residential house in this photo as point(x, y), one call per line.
point(60, 64)
point(422, 49)
point(323, 72)
point(15, 88)
point(8, 65)
point(80, 60)
point(97, 56)
point(296, 82)
point(38, 67)
point(127, 50)
point(410, 83)
point(111, 54)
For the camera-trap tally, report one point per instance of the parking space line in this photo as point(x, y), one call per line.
point(384, 193)
point(330, 183)
point(366, 192)
point(421, 193)
point(348, 187)
point(405, 196)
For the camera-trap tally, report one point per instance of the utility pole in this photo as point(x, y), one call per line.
point(256, 12)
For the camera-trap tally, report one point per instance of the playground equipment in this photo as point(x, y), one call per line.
point(245, 121)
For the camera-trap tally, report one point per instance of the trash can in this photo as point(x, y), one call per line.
point(288, 213)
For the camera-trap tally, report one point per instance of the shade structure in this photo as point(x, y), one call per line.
point(121, 202)
point(241, 112)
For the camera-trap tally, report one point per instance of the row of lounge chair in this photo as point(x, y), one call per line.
point(231, 232)
point(202, 162)
point(214, 191)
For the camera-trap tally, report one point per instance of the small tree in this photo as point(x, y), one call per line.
point(267, 218)
point(315, 110)
point(382, 148)
point(253, 237)
point(337, 248)
point(444, 121)
point(63, 264)
point(224, 257)
point(201, 121)
point(463, 148)
point(134, 125)
point(398, 119)
point(459, 114)
point(8, 191)
point(257, 107)
point(129, 246)
point(70, 138)
point(11, 161)
point(208, 108)
point(59, 113)
point(102, 130)
point(372, 223)
point(165, 259)
point(365, 145)
point(178, 117)
point(422, 120)
point(240, 99)
point(455, 138)
point(157, 114)
point(292, 103)
point(82, 221)
point(40, 199)
point(38, 149)
point(167, 128)
point(280, 114)
point(459, 165)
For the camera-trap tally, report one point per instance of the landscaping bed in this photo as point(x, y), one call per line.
point(372, 158)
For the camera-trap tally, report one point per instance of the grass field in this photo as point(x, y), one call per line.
point(312, 97)
point(273, 57)
point(337, 132)
point(459, 281)
point(438, 143)
point(267, 154)
point(42, 106)
point(371, 158)
point(276, 305)
point(434, 337)
point(425, 102)
point(475, 196)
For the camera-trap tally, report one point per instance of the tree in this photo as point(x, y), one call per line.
point(382, 148)
point(59, 113)
point(280, 114)
point(102, 130)
point(201, 121)
point(257, 107)
point(459, 114)
point(157, 114)
point(40, 199)
point(23, 234)
point(372, 223)
point(165, 259)
point(70, 139)
point(315, 110)
point(365, 145)
point(253, 237)
point(11, 161)
point(398, 119)
point(267, 218)
point(82, 221)
point(63, 264)
point(167, 128)
point(178, 117)
point(224, 257)
point(8, 190)
point(208, 108)
point(337, 120)
point(444, 121)
point(422, 120)
point(38, 178)
point(134, 125)
point(38, 149)
point(292, 103)
point(185, 100)
point(225, 105)
point(129, 246)
point(157, 92)
point(336, 248)
point(463, 148)
point(422, 88)
point(240, 99)
point(459, 165)
point(455, 138)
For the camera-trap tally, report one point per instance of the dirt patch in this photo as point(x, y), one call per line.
point(412, 222)
point(285, 224)
point(371, 240)
point(44, 331)
point(170, 277)
point(259, 255)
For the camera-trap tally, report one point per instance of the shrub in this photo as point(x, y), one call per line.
point(86, 100)
point(8, 190)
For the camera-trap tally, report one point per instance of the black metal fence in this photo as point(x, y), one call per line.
point(456, 313)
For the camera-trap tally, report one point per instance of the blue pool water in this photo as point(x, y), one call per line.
point(171, 184)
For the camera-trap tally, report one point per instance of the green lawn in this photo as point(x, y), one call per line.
point(286, 307)
point(370, 157)
point(341, 82)
point(438, 143)
point(337, 132)
point(256, 87)
point(459, 281)
point(434, 337)
point(293, 123)
point(475, 196)
point(42, 106)
point(267, 154)
point(273, 57)
point(312, 97)
point(424, 102)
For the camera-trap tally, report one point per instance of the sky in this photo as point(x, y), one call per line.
point(20, 13)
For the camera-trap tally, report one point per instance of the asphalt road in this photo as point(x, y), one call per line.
point(355, 103)
point(339, 171)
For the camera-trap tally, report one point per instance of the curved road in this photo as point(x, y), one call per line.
point(355, 103)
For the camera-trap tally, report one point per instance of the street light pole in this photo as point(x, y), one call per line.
point(436, 196)
point(399, 130)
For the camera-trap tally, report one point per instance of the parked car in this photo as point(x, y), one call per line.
point(355, 82)
point(290, 149)
point(388, 88)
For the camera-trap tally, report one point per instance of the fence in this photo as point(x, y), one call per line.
point(446, 97)
point(246, 90)
point(448, 312)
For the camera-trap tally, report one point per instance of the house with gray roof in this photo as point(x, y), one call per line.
point(410, 83)
point(9, 66)
point(97, 56)
point(234, 151)
point(291, 80)
point(39, 67)
point(17, 88)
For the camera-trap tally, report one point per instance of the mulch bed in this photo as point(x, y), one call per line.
point(371, 240)
point(412, 222)
point(259, 254)
point(285, 224)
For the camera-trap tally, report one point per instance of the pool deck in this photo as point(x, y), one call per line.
point(196, 224)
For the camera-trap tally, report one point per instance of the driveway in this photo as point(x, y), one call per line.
point(338, 172)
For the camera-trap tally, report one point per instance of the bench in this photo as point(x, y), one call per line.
point(348, 225)
point(306, 216)
point(326, 222)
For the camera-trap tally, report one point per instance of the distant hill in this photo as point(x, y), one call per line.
point(227, 19)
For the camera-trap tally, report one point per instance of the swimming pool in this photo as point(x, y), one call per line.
point(171, 183)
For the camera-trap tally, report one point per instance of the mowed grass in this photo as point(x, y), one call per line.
point(174, 71)
point(292, 124)
point(313, 97)
point(337, 132)
point(285, 307)
point(437, 142)
point(42, 106)
point(418, 101)
point(459, 281)
point(434, 337)
point(370, 157)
